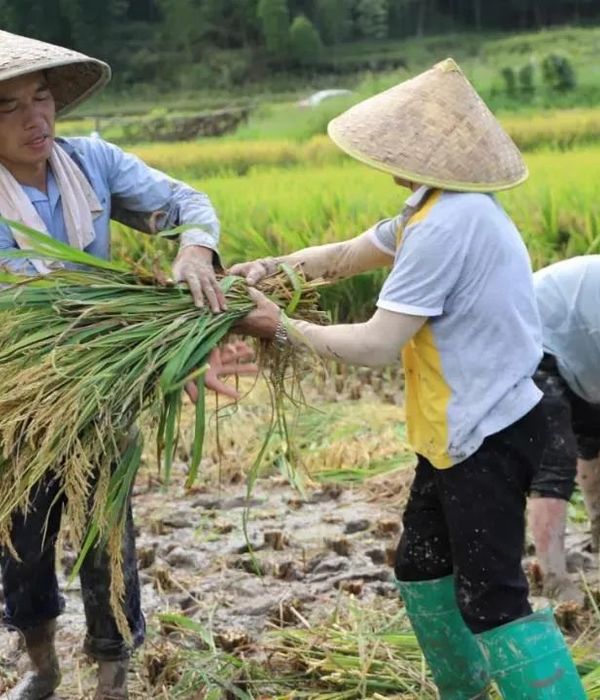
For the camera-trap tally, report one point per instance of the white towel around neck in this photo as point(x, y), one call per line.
point(79, 201)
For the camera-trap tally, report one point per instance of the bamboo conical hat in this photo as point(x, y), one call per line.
point(434, 130)
point(72, 76)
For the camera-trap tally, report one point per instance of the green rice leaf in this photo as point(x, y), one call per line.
point(43, 245)
point(173, 407)
point(296, 283)
point(199, 427)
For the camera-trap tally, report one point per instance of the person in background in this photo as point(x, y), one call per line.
point(460, 306)
point(568, 297)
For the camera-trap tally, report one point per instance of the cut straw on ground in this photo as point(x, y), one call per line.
point(354, 652)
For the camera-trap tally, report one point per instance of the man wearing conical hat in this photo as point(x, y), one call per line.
point(70, 189)
point(459, 304)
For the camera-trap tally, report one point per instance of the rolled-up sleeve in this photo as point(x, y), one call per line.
point(139, 188)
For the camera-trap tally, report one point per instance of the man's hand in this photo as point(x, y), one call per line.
point(256, 270)
point(193, 266)
point(232, 359)
point(262, 321)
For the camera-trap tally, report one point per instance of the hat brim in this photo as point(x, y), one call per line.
point(71, 81)
point(418, 178)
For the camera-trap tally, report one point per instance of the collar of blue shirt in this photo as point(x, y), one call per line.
point(51, 196)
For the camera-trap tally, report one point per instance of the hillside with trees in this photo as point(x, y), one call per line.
point(222, 43)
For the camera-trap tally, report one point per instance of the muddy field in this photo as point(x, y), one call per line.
point(195, 559)
point(242, 566)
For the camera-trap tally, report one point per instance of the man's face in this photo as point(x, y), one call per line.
point(27, 114)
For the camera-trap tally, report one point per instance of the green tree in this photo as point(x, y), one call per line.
point(305, 42)
point(423, 8)
point(35, 18)
point(477, 14)
point(90, 22)
point(274, 18)
point(143, 10)
point(510, 79)
point(181, 26)
point(229, 23)
point(558, 72)
point(11, 18)
point(333, 19)
point(372, 18)
point(526, 77)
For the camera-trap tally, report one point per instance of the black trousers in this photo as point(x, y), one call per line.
point(469, 521)
point(574, 431)
point(31, 591)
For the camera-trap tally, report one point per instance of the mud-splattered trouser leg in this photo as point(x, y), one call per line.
point(31, 590)
point(469, 521)
point(555, 476)
point(103, 640)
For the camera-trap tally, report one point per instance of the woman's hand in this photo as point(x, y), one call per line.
point(255, 271)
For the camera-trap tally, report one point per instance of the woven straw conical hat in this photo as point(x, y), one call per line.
point(72, 76)
point(433, 130)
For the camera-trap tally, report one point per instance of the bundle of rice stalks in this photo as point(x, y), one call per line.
point(82, 354)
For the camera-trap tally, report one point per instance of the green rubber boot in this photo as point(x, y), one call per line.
point(456, 660)
point(529, 660)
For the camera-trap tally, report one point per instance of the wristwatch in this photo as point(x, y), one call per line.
point(281, 339)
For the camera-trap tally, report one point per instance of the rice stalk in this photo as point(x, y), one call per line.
point(83, 352)
point(367, 652)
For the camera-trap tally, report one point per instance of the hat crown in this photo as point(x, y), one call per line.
point(433, 129)
point(448, 65)
point(12, 47)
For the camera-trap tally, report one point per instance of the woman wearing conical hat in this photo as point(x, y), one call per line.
point(70, 189)
point(459, 304)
